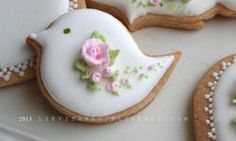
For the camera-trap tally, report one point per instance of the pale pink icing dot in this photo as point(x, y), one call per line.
point(107, 72)
point(111, 87)
point(96, 77)
point(155, 2)
point(125, 81)
point(95, 53)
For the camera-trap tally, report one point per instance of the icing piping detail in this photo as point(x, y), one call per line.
point(95, 62)
point(211, 134)
point(20, 68)
point(73, 5)
point(95, 66)
point(155, 3)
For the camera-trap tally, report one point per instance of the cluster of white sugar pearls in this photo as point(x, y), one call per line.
point(6, 72)
point(73, 4)
point(209, 97)
point(19, 69)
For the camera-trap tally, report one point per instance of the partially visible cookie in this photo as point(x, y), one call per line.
point(184, 14)
point(90, 68)
point(212, 108)
point(18, 19)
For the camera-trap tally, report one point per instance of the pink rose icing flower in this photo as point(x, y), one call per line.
point(107, 72)
point(155, 2)
point(111, 87)
point(95, 53)
point(96, 77)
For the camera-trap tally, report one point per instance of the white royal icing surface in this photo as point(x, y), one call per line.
point(224, 111)
point(192, 8)
point(60, 51)
point(18, 19)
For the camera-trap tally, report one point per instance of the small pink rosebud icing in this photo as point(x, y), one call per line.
point(111, 87)
point(155, 2)
point(125, 81)
point(96, 77)
point(107, 72)
point(95, 53)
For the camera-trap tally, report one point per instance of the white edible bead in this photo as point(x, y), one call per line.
point(21, 73)
point(212, 124)
point(6, 77)
point(213, 130)
point(206, 109)
point(207, 122)
point(212, 118)
point(1, 74)
point(4, 70)
point(215, 74)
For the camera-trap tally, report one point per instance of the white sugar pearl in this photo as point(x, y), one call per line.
point(215, 82)
point(16, 69)
point(214, 138)
point(75, 1)
point(229, 64)
point(213, 88)
point(213, 130)
point(212, 118)
point(210, 84)
point(21, 73)
point(71, 3)
point(212, 124)
point(210, 106)
point(24, 67)
point(210, 100)
point(223, 64)
point(215, 74)
point(207, 96)
point(221, 72)
point(207, 122)
point(224, 67)
point(6, 77)
point(9, 73)
point(210, 112)
point(75, 5)
point(210, 135)
point(1, 74)
point(217, 78)
point(4, 70)
point(206, 109)
point(11, 68)
point(234, 60)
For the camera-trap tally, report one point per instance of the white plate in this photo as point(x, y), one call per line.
point(164, 119)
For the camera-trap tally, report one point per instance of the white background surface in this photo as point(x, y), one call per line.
point(163, 120)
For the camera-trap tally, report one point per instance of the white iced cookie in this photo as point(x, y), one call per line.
point(18, 19)
point(90, 68)
point(214, 103)
point(188, 14)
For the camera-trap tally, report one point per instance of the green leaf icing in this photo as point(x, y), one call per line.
point(113, 54)
point(67, 31)
point(94, 86)
point(98, 35)
point(83, 68)
point(115, 76)
point(234, 100)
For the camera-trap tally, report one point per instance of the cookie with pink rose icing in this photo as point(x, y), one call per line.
point(18, 19)
point(214, 103)
point(89, 74)
point(184, 14)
